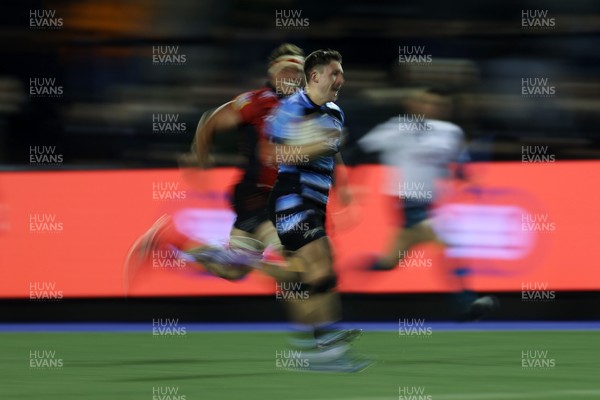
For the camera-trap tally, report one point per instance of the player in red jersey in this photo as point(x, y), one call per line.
point(252, 230)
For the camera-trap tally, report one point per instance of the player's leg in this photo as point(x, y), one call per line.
point(252, 234)
point(317, 281)
point(317, 314)
point(277, 263)
point(266, 233)
point(401, 241)
point(466, 304)
point(246, 251)
point(322, 307)
point(416, 230)
point(231, 262)
point(247, 245)
point(234, 261)
point(162, 235)
point(319, 308)
point(301, 229)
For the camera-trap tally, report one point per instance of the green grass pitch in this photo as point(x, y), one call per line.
point(446, 365)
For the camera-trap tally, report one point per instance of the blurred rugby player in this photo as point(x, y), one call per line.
point(308, 126)
point(422, 144)
point(252, 230)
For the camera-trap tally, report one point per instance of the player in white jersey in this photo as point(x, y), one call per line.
point(421, 145)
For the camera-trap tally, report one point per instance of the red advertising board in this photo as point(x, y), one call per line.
point(515, 226)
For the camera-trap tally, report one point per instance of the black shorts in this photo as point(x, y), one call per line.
point(415, 212)
point(249, 203)
point(298, 223)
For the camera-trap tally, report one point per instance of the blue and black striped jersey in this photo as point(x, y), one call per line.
point(298, 121)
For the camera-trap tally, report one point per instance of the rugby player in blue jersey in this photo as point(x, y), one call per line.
point(306, 131)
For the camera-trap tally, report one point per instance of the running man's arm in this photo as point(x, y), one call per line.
point(327, 145)
point(294, 134)
point(223, 118)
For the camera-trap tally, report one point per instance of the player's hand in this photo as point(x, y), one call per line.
point(205, 160)
point(187, 160)
point(191, 160)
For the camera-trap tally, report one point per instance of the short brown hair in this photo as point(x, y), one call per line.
point(320, 58)
point(286, 49)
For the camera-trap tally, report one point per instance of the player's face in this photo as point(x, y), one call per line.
point(289, 80)
point(331, 81)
